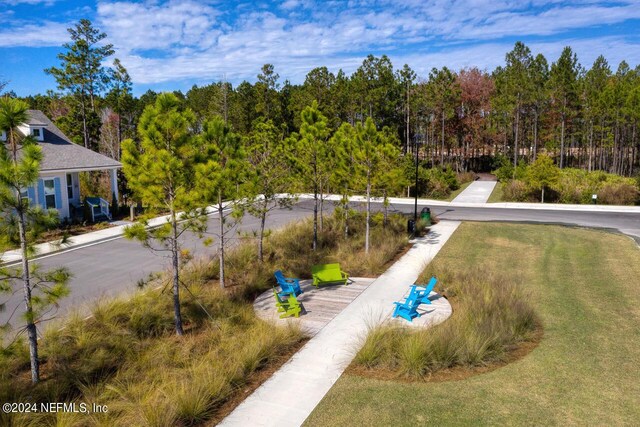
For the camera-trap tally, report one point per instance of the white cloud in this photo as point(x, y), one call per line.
point(28, 2)
point(168, 40)
point(42, 34)
point(151, 25)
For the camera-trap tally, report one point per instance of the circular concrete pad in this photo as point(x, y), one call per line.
point(323, 304)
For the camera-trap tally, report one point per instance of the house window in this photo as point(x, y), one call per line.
point(69, 186)
point(36, 132)
point(49, 194)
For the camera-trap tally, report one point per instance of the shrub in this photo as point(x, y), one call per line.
point(515, 191)
point(465, 177)
point(440, 182)
point(618, 194)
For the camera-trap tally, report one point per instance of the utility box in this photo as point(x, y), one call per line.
point(425, 215)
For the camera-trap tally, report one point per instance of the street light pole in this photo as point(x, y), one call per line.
point(415, 206)
point(417, 138)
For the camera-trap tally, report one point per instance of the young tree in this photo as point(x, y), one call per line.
point(21, 223)
point(311, 157)
point(161, 173)
point(344, 177)
point(224, 178)
point(83, 74)
point(269, 156)
point(370, 148)
point(543, 174)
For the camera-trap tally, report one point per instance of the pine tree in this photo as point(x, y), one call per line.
point(269, 156)
point(21, 223)
point(311, 156)
point(161, 174)
point(83, 74)
point(563, 83)
point(370, 149)
point(225, 179)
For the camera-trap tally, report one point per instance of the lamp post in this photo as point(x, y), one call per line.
point(417, 138)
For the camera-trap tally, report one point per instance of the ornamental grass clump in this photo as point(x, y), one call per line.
point(491, 317)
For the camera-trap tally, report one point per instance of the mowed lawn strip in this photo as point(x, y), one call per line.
point(585, 285)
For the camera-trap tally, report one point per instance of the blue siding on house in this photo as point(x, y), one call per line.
point(41, 193)
point(57, 186)
point(31, 192)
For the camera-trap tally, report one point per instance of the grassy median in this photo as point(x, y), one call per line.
point(585, 286)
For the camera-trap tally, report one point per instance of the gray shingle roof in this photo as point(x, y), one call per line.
point(59, 153)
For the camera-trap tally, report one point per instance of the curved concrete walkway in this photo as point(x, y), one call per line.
point(289, 396)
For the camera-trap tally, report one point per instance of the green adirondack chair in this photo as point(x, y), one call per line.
point(288, 306)
point(324, 274)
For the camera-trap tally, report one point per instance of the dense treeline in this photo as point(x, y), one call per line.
point(583, 117)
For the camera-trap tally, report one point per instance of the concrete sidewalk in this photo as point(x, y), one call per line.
point(317, 366)
point(476, 192)
point(501, 205)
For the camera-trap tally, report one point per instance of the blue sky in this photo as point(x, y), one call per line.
point(174, 44)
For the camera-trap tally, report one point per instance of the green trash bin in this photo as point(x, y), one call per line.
point(425, 215)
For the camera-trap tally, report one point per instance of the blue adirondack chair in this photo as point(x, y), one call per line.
point(423, 294)
point(289, 286)
point(409, 308)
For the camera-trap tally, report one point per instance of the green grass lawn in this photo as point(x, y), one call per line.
point(585, 285)
point(496, 194)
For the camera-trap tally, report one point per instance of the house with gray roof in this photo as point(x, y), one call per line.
point(58, 186)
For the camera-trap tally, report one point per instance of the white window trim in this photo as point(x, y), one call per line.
point(55, 198)
point(40, 130)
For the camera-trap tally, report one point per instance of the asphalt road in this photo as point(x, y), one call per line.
point(113, 267)
point(625, 223)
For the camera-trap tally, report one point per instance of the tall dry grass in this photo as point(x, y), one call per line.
point(289, 250)
point(491, 316)
point(127, 357)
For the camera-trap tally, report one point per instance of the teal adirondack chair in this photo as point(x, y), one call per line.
point(288, 285)
point(409, 308)
point(423, 294)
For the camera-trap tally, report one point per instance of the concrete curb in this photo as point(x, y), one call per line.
point(503, 205)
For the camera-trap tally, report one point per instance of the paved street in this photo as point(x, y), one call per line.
point(115, 266)
point(626, 223)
